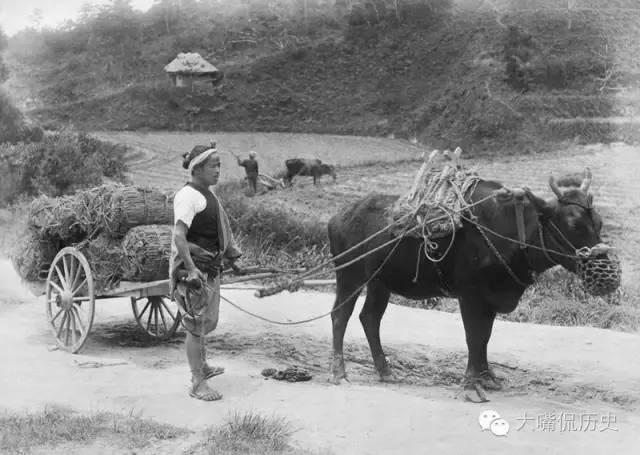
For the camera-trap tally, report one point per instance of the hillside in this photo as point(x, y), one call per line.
point(504, 75)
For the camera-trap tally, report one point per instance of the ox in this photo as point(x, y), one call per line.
point(307, 167)
point(486, 269)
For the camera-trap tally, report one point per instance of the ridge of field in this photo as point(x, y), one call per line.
point(389, 166)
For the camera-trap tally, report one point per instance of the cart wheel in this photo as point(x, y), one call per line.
point(70, 299)
point(157, 316)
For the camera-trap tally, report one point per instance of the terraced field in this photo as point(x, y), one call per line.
point(388, 166)
point(157, 156)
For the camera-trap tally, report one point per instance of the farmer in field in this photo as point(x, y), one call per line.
point(251, 169)
point(201, 234)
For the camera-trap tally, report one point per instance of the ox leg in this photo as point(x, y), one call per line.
point(478, 318)
point(346, 295)
point(374, 307)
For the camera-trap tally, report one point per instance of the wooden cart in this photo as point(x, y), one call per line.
point(71, 296)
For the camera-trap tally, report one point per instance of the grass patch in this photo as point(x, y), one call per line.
point(252, 434)
point(57, 425)
point(272, 227)
point(557, 298)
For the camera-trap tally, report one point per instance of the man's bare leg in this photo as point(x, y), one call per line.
point(199, 387)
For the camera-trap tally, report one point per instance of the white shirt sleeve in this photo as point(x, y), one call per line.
point(186, 204)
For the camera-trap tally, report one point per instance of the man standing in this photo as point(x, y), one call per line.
point(251, 168)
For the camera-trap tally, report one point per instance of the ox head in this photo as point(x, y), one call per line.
point(575, 229)
point(328, 169)
point(574, 222)
point(578, 225)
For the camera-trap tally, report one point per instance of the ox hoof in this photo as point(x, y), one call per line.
point(487, 379)
point(389, 377)
point(490, 381)
point(474, 393)
point(337, 379)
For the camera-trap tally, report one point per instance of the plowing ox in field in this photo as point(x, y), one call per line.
point(307, 167)
point(493, 257)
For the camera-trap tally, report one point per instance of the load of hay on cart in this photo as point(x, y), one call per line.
point(111, 241)
point(106, 242)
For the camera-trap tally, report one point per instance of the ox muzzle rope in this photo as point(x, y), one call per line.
point(598, 270)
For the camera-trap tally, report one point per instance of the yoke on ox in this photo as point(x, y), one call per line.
point(497, 241)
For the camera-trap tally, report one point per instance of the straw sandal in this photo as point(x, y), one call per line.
point(212, 372)
point(207, 395)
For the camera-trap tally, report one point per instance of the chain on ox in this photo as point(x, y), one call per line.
point(505, 239)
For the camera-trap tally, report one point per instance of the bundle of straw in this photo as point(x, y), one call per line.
point(115, 209)
point(105, 256)
point(147, 250)
point(93, 221)
point(146, 253)
point(32, 255)
point(55, 218)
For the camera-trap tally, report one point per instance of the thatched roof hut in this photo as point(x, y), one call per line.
point(189, 67)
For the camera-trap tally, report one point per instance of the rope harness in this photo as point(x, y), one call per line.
point(597, 267)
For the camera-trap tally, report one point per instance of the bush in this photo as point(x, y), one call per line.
point(11, 121)
point(61, 163)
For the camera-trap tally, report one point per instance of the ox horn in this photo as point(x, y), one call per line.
point(554, 186)
point(586, 182)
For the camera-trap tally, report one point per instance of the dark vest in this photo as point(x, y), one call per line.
point(204, 227)
point(250, 167)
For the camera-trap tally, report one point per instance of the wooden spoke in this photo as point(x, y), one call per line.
point(63, 282)
point(57, 314)
point(173, 316)
point(156, 309)
point(64, 320)
point(73, 267)
point(149, 319)
point(73, 326)
point(76, 275)
point(164, 323)
point(67, 329)
point(75, 291)
point(67, 274)
point(153, 315)
point(145, 308)
point(76, 313)
point(57, 288)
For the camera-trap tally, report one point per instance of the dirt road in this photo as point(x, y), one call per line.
point(556, 377)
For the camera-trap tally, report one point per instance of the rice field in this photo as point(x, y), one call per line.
point(388, 166)
point(156, 157)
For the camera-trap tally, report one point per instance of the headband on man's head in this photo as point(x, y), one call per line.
point(204, 156)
